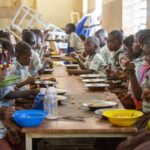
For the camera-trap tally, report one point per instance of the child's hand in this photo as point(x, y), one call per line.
point(74, 55)
point(44, 48)
point(30, 80)
point(130, 68)
point(146, 95)
point(34, 92)
point(110, 72)
point(124, 61)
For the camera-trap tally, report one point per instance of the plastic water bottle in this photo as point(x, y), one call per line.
point(50, 103)
point(38, 102)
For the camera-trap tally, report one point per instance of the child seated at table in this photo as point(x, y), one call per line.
point(75, 44)
point(138, 59)
point(94, 61)
point(114, 44)
point(39, 46)
point(128, 46)
point(36, 66)
point(7, 96)
point(103, 50)
point(23, 57)
point(142, 92)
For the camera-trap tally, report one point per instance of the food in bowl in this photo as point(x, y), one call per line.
point(123, 117)
point(99, 104)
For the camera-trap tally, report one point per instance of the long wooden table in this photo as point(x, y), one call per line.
point(92, 126)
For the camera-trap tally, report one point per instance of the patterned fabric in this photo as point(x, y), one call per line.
point(94, 62)
point(23, 72)
point(3, 131)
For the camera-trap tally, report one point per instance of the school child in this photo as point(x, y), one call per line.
point(128, 46)
point(23, 57)
point(142, 92)
point(134, 54)
point(103, 50)
point(7, 96)
point(35, 65)
point(94, 61)
point(75, 44)
point(39, 46)
point(114, 44)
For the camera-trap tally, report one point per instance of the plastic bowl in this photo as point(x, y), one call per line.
point(120, 117)
point(29, 118)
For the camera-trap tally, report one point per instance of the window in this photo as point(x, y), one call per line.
point(134, 15)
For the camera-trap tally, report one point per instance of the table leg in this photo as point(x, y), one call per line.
point(28, 142)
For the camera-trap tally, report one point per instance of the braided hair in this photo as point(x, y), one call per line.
point(5, 58)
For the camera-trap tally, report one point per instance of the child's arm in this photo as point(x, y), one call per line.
point(30, 80)
point(21, 94)
point(80, 61)
point(136, 89)
point(46, 62)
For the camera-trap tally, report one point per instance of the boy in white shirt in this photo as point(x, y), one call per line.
point(103, 50)
point(35, 65)
point(74, 41)
point(94, 61)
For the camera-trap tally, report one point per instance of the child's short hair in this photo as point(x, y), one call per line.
point(101, 32)
point(22, 48)
point(29, 37)
point(128, 41)
point(82, 37)
point(93, 40)
point(143, 36)
point(116, 34)
point(71, 26)
point(4, 34)
point(37, 32)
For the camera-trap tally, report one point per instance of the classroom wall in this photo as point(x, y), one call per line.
point(54, 11)
point(112, 14)
point(58, 12)
point(148, 14)
point(91, 5)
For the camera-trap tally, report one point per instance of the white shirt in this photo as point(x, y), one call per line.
point(75, 42)
point(35, 64)
point(94, 62)
point(105, 53)
point(114, 58)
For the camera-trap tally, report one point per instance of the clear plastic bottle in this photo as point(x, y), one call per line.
point(50, 103)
